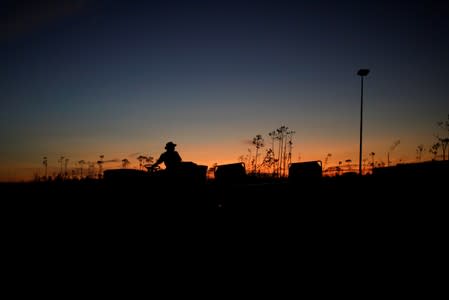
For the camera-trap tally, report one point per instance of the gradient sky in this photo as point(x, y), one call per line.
point(120, 78)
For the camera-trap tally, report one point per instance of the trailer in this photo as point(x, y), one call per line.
point(309, 170)
point(230, 173)
point(185, 173)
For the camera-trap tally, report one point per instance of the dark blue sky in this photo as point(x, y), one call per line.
point(83, 78)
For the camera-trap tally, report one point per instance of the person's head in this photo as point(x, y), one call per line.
point(170, 146)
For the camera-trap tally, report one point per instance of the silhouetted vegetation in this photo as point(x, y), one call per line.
point(125, 163)
point(434, 150)
point(390, 151)
point(419, 152)
point(45, 163)
point(385, 190)
point(444, 141)
point(276, 165)
point(258, 142)
point(266, 184)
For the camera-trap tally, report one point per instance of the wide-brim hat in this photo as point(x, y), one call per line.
point(170, 145)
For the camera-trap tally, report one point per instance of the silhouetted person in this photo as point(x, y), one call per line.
point(170, 158)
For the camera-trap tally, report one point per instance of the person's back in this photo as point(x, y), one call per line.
point(170, 158)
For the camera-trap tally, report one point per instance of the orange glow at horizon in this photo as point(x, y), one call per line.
point(206, 154)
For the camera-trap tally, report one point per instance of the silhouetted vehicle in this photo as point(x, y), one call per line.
point(184, 173)
point(176, 171)
point(230, 173)
point(190, 172)
point(124, 175)
point(308, 170)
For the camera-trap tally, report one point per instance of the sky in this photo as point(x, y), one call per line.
point(81, 79)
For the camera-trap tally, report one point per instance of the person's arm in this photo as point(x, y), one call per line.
point(158, 161)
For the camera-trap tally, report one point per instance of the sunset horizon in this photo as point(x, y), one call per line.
point(84, 79)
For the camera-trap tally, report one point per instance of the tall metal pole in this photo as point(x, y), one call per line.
point(362, 73)
point(361, 127)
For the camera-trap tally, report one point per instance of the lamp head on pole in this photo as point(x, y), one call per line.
point(363, 72)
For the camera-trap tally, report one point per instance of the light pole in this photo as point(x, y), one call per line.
point(362, 73)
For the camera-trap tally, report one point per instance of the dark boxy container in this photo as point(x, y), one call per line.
point(230, 173)
point(305, 170)
point(192, 173)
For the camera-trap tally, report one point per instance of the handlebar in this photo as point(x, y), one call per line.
point(151, 168)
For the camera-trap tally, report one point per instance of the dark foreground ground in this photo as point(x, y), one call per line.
point(338, 195)
point(374, 219)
